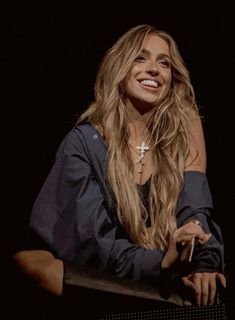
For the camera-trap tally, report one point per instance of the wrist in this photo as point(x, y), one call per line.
point(169, 258)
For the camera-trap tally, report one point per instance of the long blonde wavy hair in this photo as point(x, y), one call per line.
point(169, 128)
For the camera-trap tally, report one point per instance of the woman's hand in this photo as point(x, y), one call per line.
point(183, 235)
point(204, 285)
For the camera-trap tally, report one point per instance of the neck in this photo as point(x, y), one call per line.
point(138, 131)
point(138, 123)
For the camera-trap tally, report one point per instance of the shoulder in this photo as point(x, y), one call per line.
point(83, 137)
point(86, 129)
point(79, 133)
point(88, 135)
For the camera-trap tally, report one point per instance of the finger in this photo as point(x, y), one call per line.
point(222, 279)
point(187, 282)
point(194, 282)
point(206, 238)
point(187, 236)
point(197, 286)
point(205, 290)
point(192, 227)
point(212, 294)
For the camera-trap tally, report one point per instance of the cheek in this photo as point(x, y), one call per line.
point(128, 87)
point(135, 70)
point(168, 79)
point(130, 81)
point(168, 83)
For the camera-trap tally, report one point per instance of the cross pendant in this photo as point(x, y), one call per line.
point(140, 162)
point(143, 148)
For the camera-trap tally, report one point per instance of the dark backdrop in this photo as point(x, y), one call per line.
point(52, 55)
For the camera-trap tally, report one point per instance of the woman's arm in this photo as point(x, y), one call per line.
point(42, 268)
point(197, 151)
point(195, 203)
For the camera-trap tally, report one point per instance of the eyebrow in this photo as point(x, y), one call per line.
point(161, 55)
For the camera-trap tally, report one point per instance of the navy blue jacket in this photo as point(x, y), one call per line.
point(75, 213)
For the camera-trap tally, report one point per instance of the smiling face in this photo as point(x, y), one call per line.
point(150, 77)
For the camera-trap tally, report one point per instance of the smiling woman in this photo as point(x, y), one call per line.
point(129, 180)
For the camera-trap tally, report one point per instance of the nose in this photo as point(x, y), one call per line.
point(152, 68)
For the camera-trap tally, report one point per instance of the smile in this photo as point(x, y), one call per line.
point(150, 84)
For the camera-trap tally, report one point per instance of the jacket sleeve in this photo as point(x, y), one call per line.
point(195, 202)
point(70, 214)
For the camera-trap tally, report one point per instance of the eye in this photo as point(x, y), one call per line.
point(164, 62)
point(140, 58)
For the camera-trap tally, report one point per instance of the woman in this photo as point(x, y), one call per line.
point(128, 193)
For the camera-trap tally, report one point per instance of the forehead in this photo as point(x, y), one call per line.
point(156, 45)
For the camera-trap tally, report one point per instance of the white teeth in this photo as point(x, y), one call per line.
point(149, 83)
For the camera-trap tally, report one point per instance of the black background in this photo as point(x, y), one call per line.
point(49, 66)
